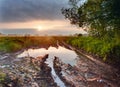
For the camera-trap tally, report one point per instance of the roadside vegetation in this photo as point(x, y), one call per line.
point(108, 51)
point(101, 20)
point(16, 43)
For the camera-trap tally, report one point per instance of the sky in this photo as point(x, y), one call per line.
point(38, 14)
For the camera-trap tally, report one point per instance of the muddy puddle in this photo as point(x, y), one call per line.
point(55, 67)
point(65, 55)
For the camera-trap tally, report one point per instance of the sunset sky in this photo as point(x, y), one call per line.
point(37, 14)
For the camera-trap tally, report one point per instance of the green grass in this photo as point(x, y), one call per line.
point(107, 50)
point(12, 44)
point(8, 45)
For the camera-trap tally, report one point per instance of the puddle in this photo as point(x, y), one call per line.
point(67, 56)
point(4, 66)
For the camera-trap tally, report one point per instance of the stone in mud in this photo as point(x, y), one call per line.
point(91, 76)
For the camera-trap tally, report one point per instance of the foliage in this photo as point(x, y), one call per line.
point(12, 44)
point(100, 16)
point(102, 48)
point(101, 19)
point(7, 44)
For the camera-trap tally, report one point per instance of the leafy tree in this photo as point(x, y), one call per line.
point(102, 17)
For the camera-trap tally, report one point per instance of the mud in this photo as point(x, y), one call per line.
point(31, 71)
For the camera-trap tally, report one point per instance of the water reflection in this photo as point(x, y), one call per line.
point(66, 55)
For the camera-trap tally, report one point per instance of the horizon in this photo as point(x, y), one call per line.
point(42, 15)
point(52, 32)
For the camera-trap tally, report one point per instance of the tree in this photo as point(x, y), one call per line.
point(102, 17)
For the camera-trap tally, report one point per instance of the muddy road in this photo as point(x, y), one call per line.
point(55, 67)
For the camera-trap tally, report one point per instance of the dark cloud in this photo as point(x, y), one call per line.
point(26, 10)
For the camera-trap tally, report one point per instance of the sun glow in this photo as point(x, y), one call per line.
point(39, 28)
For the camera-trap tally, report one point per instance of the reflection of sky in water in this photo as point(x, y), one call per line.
point(66, 55)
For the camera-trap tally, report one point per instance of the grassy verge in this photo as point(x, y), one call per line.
point(109, 51)
point(11, 44)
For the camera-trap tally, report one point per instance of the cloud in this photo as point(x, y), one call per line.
point(27, 10)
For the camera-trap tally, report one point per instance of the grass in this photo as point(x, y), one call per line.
point(107, 50)
point(12, 44)
point(7, 44)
